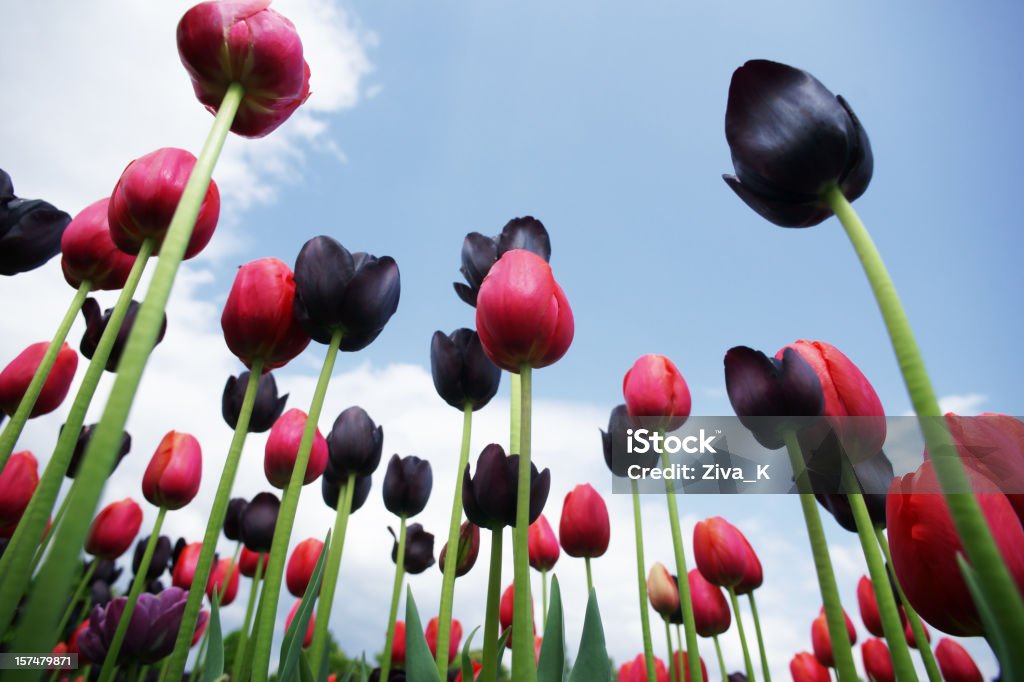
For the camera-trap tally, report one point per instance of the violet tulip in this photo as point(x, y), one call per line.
point(489, 496)
point(407, 485)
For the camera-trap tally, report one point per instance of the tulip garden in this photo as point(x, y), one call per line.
point(943, 543)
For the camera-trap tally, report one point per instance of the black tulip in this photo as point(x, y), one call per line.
point(106, 571)
point(468, 549)
point(874, 475)
point(407, 485)
point(233, 518)
point(354, 444)
point(463, 374)
point(419, 549)
point(613, 441)
point(258, 522)
point(96, 324)
point(489, 496)
point(266, 408)
point(179, 545)
point(30, 230)
point(331, 489)
point(676, 618)
point(737, 677)
point(791, 140)
point(83, 442)
point(394, 675)
point(355, 293)
point(479, 252)
point(99, 593)
point(160, 560)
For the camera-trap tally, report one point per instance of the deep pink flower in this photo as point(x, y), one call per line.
point(283, 449)
point(543, 545)
point(654, 387)
point(721, 551)
point(18, 481)
point(223, 579)
point(173, 475)
point(114, 529)
point(711, 615)
point(17, 375)
point(584, 529)
point(89, 253)
point(301, 565)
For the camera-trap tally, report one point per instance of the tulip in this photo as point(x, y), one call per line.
point(233, 518)
point(338, 291)
point(805, 668)
point(83, 442)
point(223, 581)
point(17, 375)
point(613, 442)
point(753, 576)
point(307, 639)
point(543, 545)
point(662, 590)
point(908, 632)
point(158, 563)
point(184, 569)
point(453, 644)
point(463, 374)
point(925, 546)
point(96, 324)
point(479, 253)
point(407, 485)
point(710, 609)
point(822, 643)
point(506, 613)
point(398, 646)
point(791, 140)
point(301, 565)
point(682, 663)
point(83, 659)
point(265, 409)
point(489, 497)
point(653, 387)
point(106, 570)
point(114, 529)
point(877, 662)
point(994, 445)
point(468, 549)
point(869, 607)
point(258, 319)
point(331, 490)
point(172, 477)
point(419, 549)
point(955, 663)
point(355, 443)
point(874, 474)
point(259, 521)
point(636, 670)
point(584, 529)
point(30, 230)
point(89, 254)
point(146, 197)
point(248, 562)
point(282, 449)
point(18, 481)
point(721, 551)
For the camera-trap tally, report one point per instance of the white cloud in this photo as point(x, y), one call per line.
point(968, 403)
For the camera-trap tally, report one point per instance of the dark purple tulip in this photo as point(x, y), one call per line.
point(233, 518)
point(419, 549)
point(737, 677)
point(83, 443)
point(489, 496)
point(258, 522)
point(265, 411)
point(463, 374)
point(874, 476)
point(335, 289)
point(106, 570)
point(614, 440)
point(394, 675)
point(331, 489)
point(161, 556)
point(479, 253)
point(96, 324)
point(791, 139)
point(99, 593)
point(407, 485)
point(468, 549)
point(30, 230)
point(354, 444)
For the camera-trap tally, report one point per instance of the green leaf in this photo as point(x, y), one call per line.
point(419, 663)
point(1011, 659)
point(467, 662)
point(551, 666)
point(293, 637)
point(502, 642)
point(325, 663)
point(364, 670)
point(592, 659)
point(305, 671)
point(213, 666)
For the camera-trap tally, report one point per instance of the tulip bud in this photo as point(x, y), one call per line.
point(223, 579)
point(258, 319)
point(653, 387)
point(662, 590)
point(636, 670)
point(398, 643)
point(489, 497)
point(248, 561)
point(340, 291)
point(331, 489)
point(711, 615)
point(753, 576)
point(172, 477)
point(584, 529)
point(868, 606)
point(805, 668)
point(463, 374)
point(791, 140)
point(282, 450)
point(877, 662)
point(158, 562)
point(114, 529)
point(407, 485)
point(908, 632)
point(84, 436)
point(183, 571)
point(522, 314)
point(307, 639)
point(721, 551)
point(506, 613)
point(455, 633)
point(479, 253)
point(822, 642)
point(265, 410)
point(233, 518)
point(355, 443)
point(18, 481)
point(89, 253)
point(682, 663)
point(259, 521)
point(17, 375)
point(955, 663)
point(419, 549)
point(468, 549)
point(542, 545)
point(301, 565)
point(614, 440)
point(96, 324)
point(30, 230)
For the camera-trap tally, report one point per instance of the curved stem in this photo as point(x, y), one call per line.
point(330, 581)
point(396, 593)
point(673, 669)
point(76, 597)
point(489, 669)
point(451, 564)
point(641, 581)
point(748, 664)
point(9, 436)
point(721, 659)
point(523, 663)
point(243, 633)
point(760, 638)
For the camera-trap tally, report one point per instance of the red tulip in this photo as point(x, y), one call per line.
point(73, 643)
point(301, 565)
point(506, 610)
point(662, 590)
point(114, 529)
point(654, 387)
point(821, 641)
point(453, 643)
point(805, 668)
point(204, 620)
point(89, 253)
point(869, 607)
point(543, 545)
point(258, 320)
point(398, 643)
point(682, 663)
point(877, 662)
point(753, 575)
point(584, 530)
point(522, 315)
point(184, 569)
point(283, 449)
point(248, 561)
point(711, 615)
point(636, 670)
point(223, 579)
point(925, 546)
point(476, 671)
point(955, 663)
point(18, 481)
point(909, 633)
point(146, 197)
point(308, 638)
point(721, 551)
point(172, 477)
point(225, 42)
point(17, 375)
point(994, 445)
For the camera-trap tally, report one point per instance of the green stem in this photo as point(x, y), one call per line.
point(842, 652)
point(923, 647)
point(760, 638)
point(693, 662)
point(747, 662)
point(176, 668)
point(679, 647)
point(590, 576)
point(110, 662)
point(200, 655)
point(451, 563)
point(544, 598)
point(1002, 596)
point(396, 593)
point(524, 666)
point(76, 597)
point(243, 633)
point(641, 581)
point(721, 659)
point(515, 400)
point(37, 556)
point(9, 436)
point(673, 670)
point(323, 616)
point(54, 576)
point(489, 669)
point(286, 519)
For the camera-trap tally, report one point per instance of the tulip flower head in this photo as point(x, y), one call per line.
point(614, 444)
point(822, 642)
point(480, 253)
point(17, 375)
point(468, 549)
point(398, 643)
point(868, 606)
point(419, 549)
point(721, 551)
point(354, 444)
point(753, 576)
point(265, 410)
point(282, 450)
point(259, 521)
point(584, 529)
point(184, 569)
point(654, 388)
point(18, 481)
point(542, 545)
point(806, 668)
point(173, 475)
point(453, 644)
point(636, 670)
point(83, 443)
point(955, 663)
point(160, 560)
point(682, 663)
point(96, 325)
point(407, 485)
point(506, 613)
point(223, 581)
point(301, 565)
point(711, 615)
point(489, 496)
point(233, 518)
point(331, 490)
point(114, 529)
point(88, 253)
point(248, 562)
point(30, 230)
point(662, 590)
point(463, 374)
point(994, 445)
point(877, 661)
point(308, 637)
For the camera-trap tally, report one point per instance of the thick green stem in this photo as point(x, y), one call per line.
point(515, 400)
point(40, 551)
point(451, 558)
point(842, 652)
point(673, 670)
point(679, 647)
point(243, 633)
point(489, 669)
point(543, 598)
point(9, 436)
point(524, 666)
point(641, 581)
point(693, 662)
point(721, 659)
point(931, 666)
point(1002, 595)
point(54, 577)
point(286, 519)
point(590, 576)
point(747, 662)
point(760, 638)
point(396, 593)
point(330, 581)
point(76, 597)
